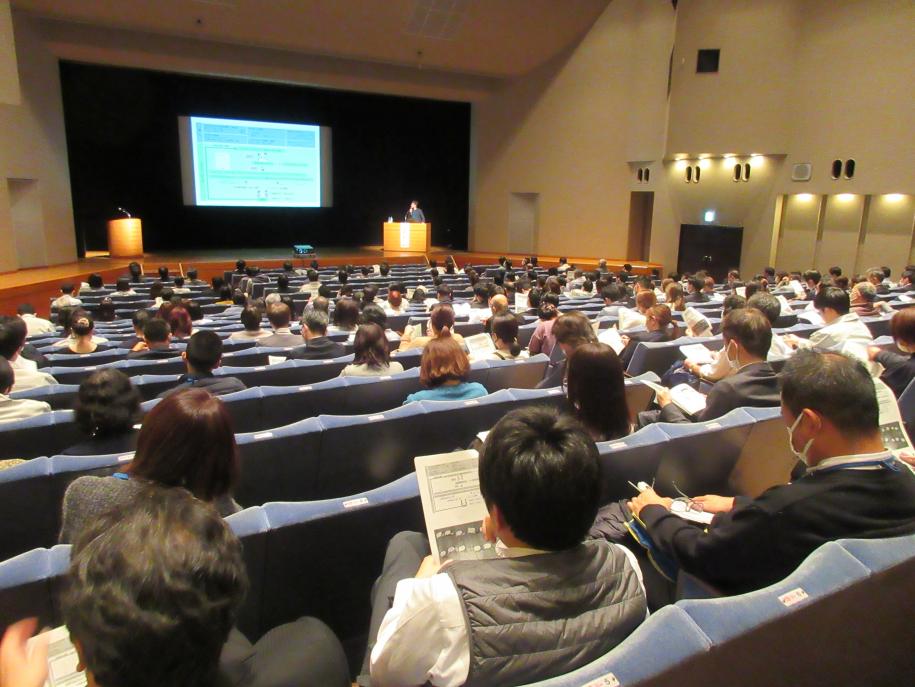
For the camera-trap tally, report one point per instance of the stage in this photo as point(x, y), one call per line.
point(38, 285)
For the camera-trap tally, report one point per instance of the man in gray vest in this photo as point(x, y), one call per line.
point(547, 604)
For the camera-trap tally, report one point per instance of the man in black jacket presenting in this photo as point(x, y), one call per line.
point(853, 486)
point(415, 214)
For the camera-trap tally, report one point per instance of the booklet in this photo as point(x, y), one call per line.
point(479, 346)
point(698, 354)
point(683, 396)
point(612, 338)
point(628, 319)
point(453, 508)
point(698, 324)
point(892, 428)
point(741, 291)
point(858, 351)
point(62, 659)
point(520, 301)
point(798, 288)
point(786, 308)
point(812, 316)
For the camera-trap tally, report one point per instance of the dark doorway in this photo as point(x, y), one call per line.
point(711, 248)
point(641, 206)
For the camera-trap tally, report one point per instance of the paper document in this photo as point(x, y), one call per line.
point(630, 318)
point(895, 438)
point(858, 351)
point(612, 338)
point(449, 488)
point(786, 308)
point(684, 509)
point(698, 354)
point(683, 396)
point(62, 660)
point(479, 346)
point(699, 324)
point(798, 288)
point(812, 316)
point(741, 291)
point(520, 302)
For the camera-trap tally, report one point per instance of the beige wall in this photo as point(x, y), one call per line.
point(33, 146)
point(9, 74)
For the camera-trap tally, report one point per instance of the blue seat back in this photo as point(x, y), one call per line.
point(58, 396)
point(29, 584)
point(634, 458)
point(41, 435)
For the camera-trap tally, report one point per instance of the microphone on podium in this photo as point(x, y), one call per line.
point(120, 209)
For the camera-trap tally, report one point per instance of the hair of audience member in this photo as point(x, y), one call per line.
point(107, 404)
point(225, 294)
point(663, 316)
point(346, 291)
point(553, 285)
point(443, 360)
point(419, 295)
point(25, 309)
point(733, 302)
point(369, 293)
point(645, 300)
point(82, 324)
point(444, 292)
point(279, 315)
point(67, 287)
point(135, 271)
point(239, 297)
point(384, 269)
point(752, 287)
point(549, 306)
point(534, 464)
point(442, 319)
point(312, 275)
point(204, 351)
point(7, 376)
point(505, 329)
point(320, 303)
point(866, 290)
point(374, 314)
point(812, 275)
point(834, 298)
point(282, 283)
point(65, 318)
point(342, 276)
point(750, 328)
point(573, 329)
point(188, 440)
point(251, 319)
point(696, 284)
point(156, 330)
point(902, 327)
point(597, 392)
point(533, 298)
point(13, 333)
point(841, 282)
point(179, 319)
point(140, 318)
point(370, 347)
point(324, 291)
point(192, 274)
point(835, 386)
point(316, 320)
point(835, 271)
point(95, 281)
point(122, 284)
point(886, 271)
point(611, 293)
point(346, 314)
point(287, 266)
point(674, 296)
point(240, 265)
point(481, 292)
point(767, 304)
point(217, 283)
point(163, 273)
point(105, 311)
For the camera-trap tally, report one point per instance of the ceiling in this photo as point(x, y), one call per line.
point(494, 38)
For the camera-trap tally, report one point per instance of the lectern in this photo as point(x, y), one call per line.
point(408, 237)
point(125, 238)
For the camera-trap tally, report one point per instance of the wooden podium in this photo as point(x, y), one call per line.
point(125, 238)
point(407, 237)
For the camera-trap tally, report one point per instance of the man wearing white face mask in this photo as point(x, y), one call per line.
point(751, 382)
point(853, 486)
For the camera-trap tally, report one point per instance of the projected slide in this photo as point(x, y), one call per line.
point(241, 163)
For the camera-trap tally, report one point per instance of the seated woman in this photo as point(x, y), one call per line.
point(443, 371)
point(899, 369)
point(187, 440)
point(251, 319)
point(505, 338)
point(81, 338)
point(441, 323)
point(543, 340)
point(179, 319)
point(661, 327)
point(674, 297)
point(106, 409)
point(345, 316)
point(371, 355)
point(597, 393)
point(105, 311)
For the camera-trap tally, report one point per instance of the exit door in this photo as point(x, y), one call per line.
point(711, 248)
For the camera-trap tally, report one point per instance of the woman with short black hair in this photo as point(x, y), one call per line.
point(106, 409)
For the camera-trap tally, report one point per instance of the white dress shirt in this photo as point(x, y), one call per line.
point(423, 637)
point(20, 408)
point(721, 368)
point(31, 379)
point(66, 300)
point(37, 325)
point(846, 329)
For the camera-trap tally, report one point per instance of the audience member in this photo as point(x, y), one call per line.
point(82, 341)
point(372, 357)
point(312, 285)
point(864, 303)
point(597, 391)
point(202, 356)
point(187, 440)
point(13, 332)
point(156, 344)
point(899, 370)
point(34, 325)
point(138, 320)
point(673, 297)
point(68, 292)
point(853, 487)
point(16, 408)
point(877, 277)
point(443, 371)
point(542, 340)
point(504, 333)
point(251, 321)
point(465, 623)
point(394, 305)
point(122, 288)
point(346, 315)
point(660, 326)
point(106, 409)
point(842, 326)
point(441, 324)
point(179, 319)
point(280, 315)
point(314, 332)
point(570, 331)
point(192, 278)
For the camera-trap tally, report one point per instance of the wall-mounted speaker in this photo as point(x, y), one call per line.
point(801, 171)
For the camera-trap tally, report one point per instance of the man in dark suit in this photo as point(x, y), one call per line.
point(157, 336)
point(853, 486)
point(695, 295)
point(203, 355)
point(279, 315)
point(747, 337)
point(415, 214)
point(317, 345)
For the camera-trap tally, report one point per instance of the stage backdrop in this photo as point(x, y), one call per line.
point(122, 141)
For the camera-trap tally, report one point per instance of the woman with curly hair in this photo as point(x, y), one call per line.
point(106, 409)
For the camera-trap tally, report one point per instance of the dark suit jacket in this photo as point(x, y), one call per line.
point(900, 370)
point(697, 297)
point(320, 348)
point(755, 385)
point(154, 354)
point(217, 386)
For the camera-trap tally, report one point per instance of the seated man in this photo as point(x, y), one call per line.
point(157, 342)
point(34, 324)
point(192, 279)
point(138, 320)
point(19, 408)
point(395, 305)
point(864, 301)
point(312, 285)
point(202, 356)
point(747, 338)
point(67, 296)
point(694, 290)
point(317, 345)
point(853, 486)
point(279, 315)
point(614, 297)
point(841, 327)
point(13, 331)
point(465, 623)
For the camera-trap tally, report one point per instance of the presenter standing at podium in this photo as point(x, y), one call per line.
point(414, 214)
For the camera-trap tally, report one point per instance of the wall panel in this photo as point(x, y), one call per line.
point(888, 233)
point(841, 229)
point(798, 232)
